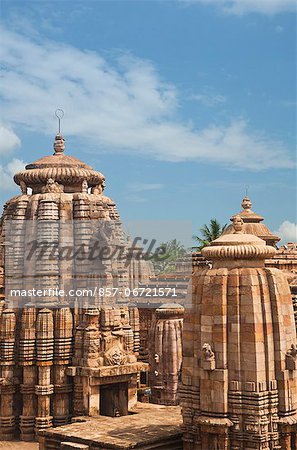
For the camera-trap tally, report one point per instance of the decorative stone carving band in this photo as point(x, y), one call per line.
point(238, 251)
point(44, 390)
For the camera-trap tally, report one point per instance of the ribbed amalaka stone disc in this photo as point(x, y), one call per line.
point(64, 169)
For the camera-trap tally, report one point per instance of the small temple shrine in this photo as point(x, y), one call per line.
point(166, 354)
point(253, 224)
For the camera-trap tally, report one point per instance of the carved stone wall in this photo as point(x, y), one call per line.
point(166, 354)
point(105, 358)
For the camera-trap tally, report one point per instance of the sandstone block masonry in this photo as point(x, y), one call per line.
point(239, 378)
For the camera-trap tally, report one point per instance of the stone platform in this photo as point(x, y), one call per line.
point(147, 427)
point(18, 445)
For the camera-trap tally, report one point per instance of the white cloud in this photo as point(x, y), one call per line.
point(8, 171)
point(119, 104)
point(136, 191)
point(209, 99)
point(287, 232)
point(9, 141)
point(241, 7)
point(142, 187)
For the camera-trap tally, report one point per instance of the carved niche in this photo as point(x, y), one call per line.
point(115, 356)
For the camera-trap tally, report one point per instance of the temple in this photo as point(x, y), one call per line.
point(62, 357)
point(239, 373)
point(213, 367)
point(166, 354)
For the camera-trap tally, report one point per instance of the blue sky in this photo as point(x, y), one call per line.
point(181, 105)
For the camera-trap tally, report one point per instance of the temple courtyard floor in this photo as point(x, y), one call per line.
point(18, 445)
point(147, 427)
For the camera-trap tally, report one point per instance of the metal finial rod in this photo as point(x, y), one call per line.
point(59, 113)
point(246, 190)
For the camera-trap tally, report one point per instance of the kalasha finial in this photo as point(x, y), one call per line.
point(246, 203)
point(59, 144)
point(237, 224)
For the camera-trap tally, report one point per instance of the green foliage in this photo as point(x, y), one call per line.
point(164, 259)
point(209, 233)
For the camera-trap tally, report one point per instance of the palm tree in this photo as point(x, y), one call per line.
point(209, 233)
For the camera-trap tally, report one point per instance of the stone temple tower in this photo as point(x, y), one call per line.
point(253, 224)
point(239, 377)
point(61, 201)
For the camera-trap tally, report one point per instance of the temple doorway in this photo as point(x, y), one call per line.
point(114, 399)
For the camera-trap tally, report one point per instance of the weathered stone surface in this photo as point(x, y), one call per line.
point(105, 358)
point(56, 355)
point(239, 386)
point(149, 427)
point(166, 354)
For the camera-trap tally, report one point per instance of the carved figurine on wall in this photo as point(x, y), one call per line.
point(237, 224)
point(291, 358)
point(52, 186)
point(97, 190)
point(208, 357)
point(84, 187)
point(23, 187)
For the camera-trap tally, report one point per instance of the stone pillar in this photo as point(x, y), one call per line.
point(44, 355)
point(91, 338)
point(2, 305)
point(82, 229)
point(78, 393)
point(166, 354)
point(47, 265)
point(127, 329)
point(78, 396)
point(27, 361)
point(7, 386)
point(146, 320)
point(88, 348)
point(134, 322)
point(14, 230)
point(62, 358)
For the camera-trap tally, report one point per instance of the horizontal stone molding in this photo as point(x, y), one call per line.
point(44, 390)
